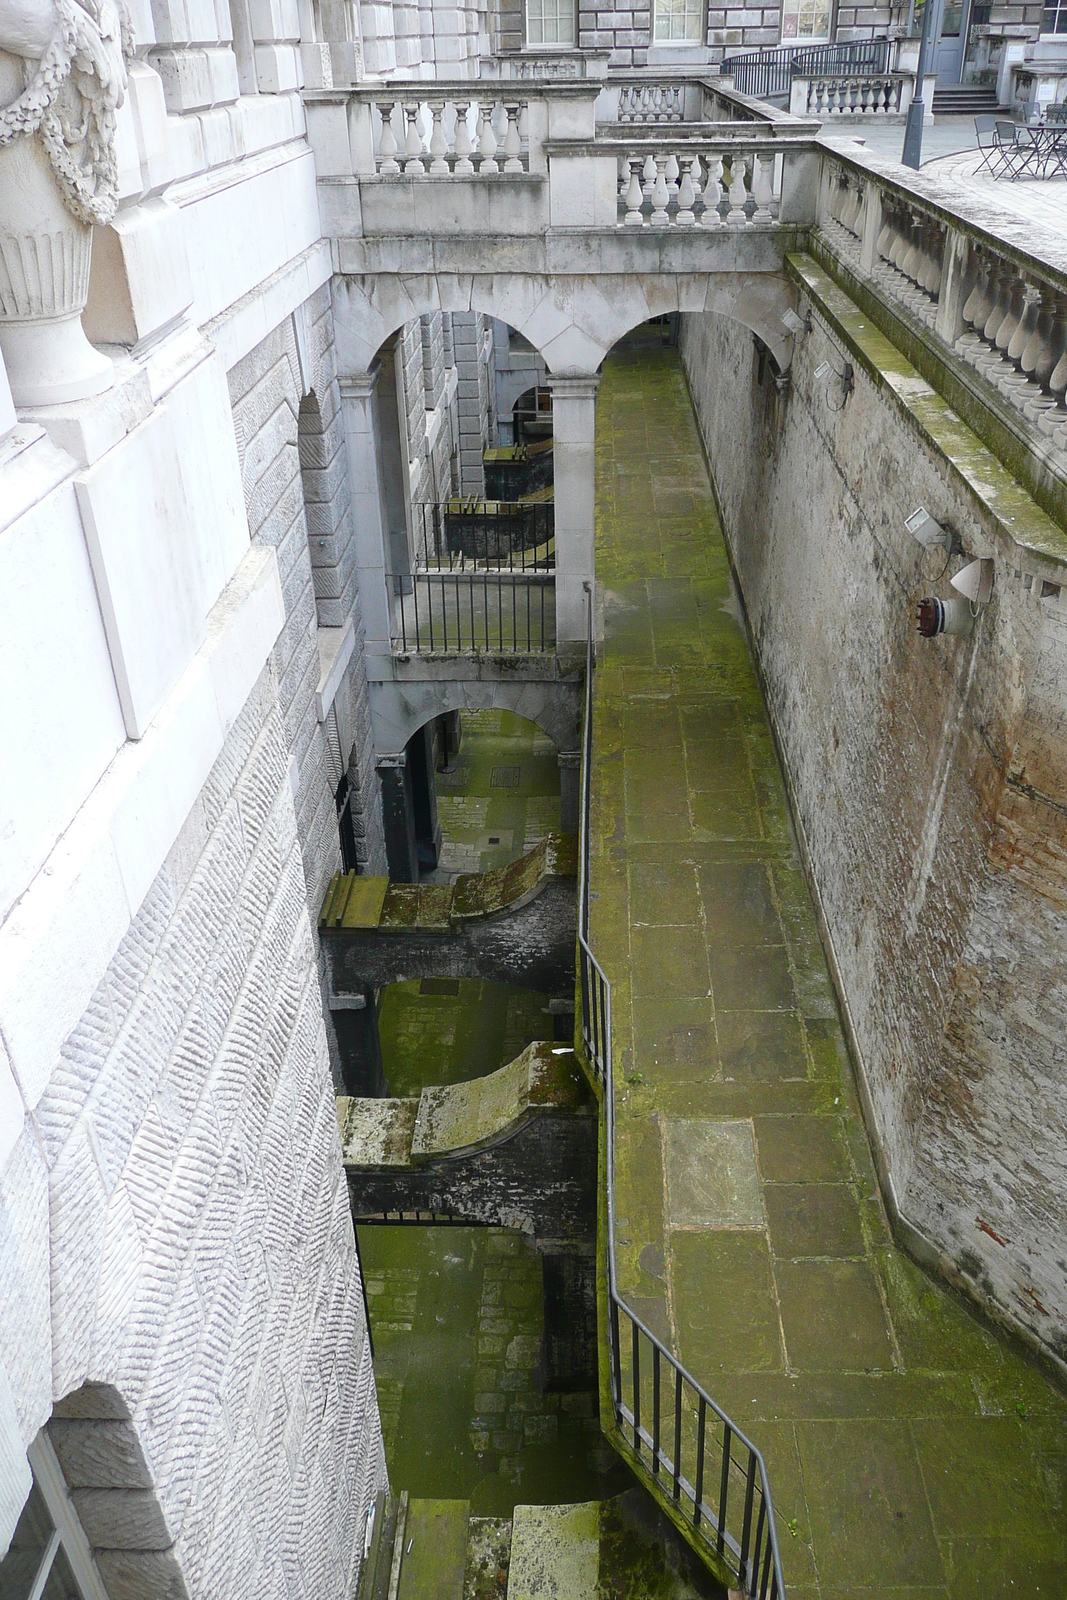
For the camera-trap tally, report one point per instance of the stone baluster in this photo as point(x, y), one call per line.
point(933, 257)
point(512, 144)
point(1025, 327)
point(979, 302)
point(676, 102)
point(713, 192)
point(737, 191)
point(1056, 382)
point(660, 194)
point(1035, 362)
point(635, 195)
point(885, 236)
point(463, 146)
point(1014, 316)
point(438, 142)
point(1005, 282)
point(387, 145)
point(696, 178)
point(910, 255)
point(686, 217)
point(901, 242)
point(763, 187)
point(624, 177)
point(487, 138)
point(413, 151)
point(649, 176)
point(854, 220)
point(673, 175)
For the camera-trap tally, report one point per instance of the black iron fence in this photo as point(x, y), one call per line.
point(495, 611)
point(514, 534)
point(768, 74)
point(684, 1447)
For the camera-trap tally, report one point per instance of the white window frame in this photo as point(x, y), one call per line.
point(67, 1534)
point(688, 41)
point(559, 7)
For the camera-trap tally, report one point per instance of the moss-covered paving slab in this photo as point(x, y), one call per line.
point(911, 1452)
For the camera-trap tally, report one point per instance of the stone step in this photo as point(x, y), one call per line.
point(963, 99)
point(433, 1560)
point(417, 1551)
point(622, 1547)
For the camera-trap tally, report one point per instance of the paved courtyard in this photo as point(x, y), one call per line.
point(912, 1454)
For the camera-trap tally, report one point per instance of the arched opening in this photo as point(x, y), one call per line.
point(92, 1527)
point(466, 511)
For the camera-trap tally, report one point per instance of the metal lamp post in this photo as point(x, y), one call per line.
point(913, 131)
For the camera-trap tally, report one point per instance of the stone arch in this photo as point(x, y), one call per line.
point(95, 1442)
point(572, 320)
point(400, 709)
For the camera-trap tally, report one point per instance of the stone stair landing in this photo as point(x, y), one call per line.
point(619, 1549)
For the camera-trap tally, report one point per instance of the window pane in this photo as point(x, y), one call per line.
point(679, 21)
point(550, 22)
point(19, 1567)
point(61, 1584)
point(805, 19)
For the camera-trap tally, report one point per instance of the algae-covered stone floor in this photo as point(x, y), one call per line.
point(501, 797)
point(911, 1453)
point(457, 1316)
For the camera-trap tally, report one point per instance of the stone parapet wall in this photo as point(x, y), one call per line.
point(929, 779)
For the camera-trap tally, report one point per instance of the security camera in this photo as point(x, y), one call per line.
point(796, 325)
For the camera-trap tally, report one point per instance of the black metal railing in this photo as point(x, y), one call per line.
point(768, 74)
point(685, 1448)
point(517, 535)
point(496, 612)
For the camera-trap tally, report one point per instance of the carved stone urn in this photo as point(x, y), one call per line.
point(62, 73)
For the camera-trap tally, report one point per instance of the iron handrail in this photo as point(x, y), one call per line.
point(750, 1551)
point(499, 613)
point(762, 73)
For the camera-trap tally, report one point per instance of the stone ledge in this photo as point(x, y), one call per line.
point(1017, 518)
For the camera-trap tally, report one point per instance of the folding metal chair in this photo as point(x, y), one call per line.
point(988, 145)
point(1055, 138)
point(1021, 148)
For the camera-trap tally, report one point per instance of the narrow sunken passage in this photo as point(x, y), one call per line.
point(910, 1452)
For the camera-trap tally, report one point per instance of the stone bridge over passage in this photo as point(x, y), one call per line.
point(534, 204)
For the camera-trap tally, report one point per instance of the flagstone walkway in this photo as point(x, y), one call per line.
point(912, 1455)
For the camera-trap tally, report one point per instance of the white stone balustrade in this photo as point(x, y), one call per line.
point(453, 136)
point(1006, 320)
point(694, 186)
point(385, 154)
point(887, 95)
point(650, 102)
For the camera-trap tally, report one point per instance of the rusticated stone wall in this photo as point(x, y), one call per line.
point(176, 1217)
point(291, 446)
point(929, 779)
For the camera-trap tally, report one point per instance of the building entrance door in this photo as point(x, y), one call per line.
point(952, 45)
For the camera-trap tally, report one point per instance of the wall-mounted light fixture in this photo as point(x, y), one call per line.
point(926, 531)
point(974, 586)
point(796, 325)
point(842, 383)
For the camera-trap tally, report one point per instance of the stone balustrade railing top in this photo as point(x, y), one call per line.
point(979, 289)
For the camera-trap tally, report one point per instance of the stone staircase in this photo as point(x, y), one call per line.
point(963, 100)
point(620, 1549)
